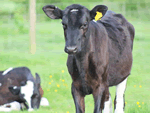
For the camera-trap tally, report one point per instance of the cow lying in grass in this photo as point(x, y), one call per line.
point(16, 106)
point(18, 84)
point(99, 53)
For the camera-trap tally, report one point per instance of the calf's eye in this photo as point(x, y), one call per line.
point(84, 26)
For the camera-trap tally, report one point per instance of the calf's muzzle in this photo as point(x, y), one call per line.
point(71, 49)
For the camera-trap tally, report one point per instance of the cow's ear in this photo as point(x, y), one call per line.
point(98, 12)
point(15, 90)
point(53, 12)
point(38, 80)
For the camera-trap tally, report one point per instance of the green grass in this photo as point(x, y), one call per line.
point(50, 59)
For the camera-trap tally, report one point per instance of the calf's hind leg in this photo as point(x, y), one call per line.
point(119, 99)
point(108, 105)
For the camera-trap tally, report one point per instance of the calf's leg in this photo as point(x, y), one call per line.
point(78, 100)
point(108, 105)
point(97, 94)
point(119, 99)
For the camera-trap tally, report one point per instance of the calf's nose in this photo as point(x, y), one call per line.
point(72, 49)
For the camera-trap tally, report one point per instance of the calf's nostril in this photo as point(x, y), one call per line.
point(72, 49)
point(75, 50)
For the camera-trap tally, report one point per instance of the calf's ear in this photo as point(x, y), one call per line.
point(38, 80)
point(15, 90)
point(53, 12)
point(98, 12)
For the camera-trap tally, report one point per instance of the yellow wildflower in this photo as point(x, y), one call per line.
point(65, 84)
point(140, 86)
point(63, 80)
point(67, 111)
point(50, 76)
point(62, 71)
point(49, 83)
point(125, 102)
point(55, 90)
point(139, 106)
point(138, 103)
point(135, 86)
point(58, 85)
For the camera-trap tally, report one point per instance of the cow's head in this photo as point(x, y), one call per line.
point(29, 92)
point(75, 21)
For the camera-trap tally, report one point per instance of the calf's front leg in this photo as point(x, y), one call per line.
point(97, 94)
point(78, 100)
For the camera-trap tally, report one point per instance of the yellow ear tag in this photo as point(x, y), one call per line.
point(98, 16)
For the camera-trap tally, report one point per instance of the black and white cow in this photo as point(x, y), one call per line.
point(18, 85)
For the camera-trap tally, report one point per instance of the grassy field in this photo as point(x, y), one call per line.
point(50, 62)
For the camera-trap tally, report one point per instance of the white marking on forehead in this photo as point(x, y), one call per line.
point(15, 87)
point(74, 10)
point(6, 71)
point(27, 90)
point(0, 84)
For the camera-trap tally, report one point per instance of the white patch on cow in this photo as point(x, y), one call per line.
point(44, 102)
point(3, 109)
point(27, 90)
point(6, 71)
point(108, 106)
point(30, 109)
point(13, 106)
point(120, 89)
point(15, 87)
point(0, 84)
point(74, 10)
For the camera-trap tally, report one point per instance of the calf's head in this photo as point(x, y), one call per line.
point(29, 92)
point(75, 21)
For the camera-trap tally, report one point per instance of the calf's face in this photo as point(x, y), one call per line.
point(75, 21)
point(28, 92)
